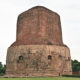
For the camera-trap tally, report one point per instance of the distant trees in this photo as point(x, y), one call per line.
point(2, 69)
point(75, 66)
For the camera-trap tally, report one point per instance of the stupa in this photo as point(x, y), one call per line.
point(39, 49)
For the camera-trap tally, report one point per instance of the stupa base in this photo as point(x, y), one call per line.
point(38, 60)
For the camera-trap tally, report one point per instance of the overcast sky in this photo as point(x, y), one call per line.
point(69, 11)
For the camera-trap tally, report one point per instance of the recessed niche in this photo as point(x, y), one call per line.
point(20, 57)
point(49, 57)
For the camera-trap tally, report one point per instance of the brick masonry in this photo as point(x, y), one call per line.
point(38, 49)
point(38, 26)
point(34, 60)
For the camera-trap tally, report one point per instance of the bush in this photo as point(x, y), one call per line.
point(71, 76)
point(1, 74)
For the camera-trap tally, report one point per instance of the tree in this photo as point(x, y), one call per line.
point(75, 65)
point(2, 69)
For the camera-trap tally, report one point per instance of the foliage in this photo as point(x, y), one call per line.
point(75, 65)
point(78, 76)
point(2, 69)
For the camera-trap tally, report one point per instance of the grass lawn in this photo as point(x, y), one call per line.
point(44, 78)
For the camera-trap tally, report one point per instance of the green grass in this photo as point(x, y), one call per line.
point(44, 78)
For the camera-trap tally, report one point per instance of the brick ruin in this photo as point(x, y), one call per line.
point(38, 49)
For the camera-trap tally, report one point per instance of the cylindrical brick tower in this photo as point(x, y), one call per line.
point(38, 49)
point(39, 26)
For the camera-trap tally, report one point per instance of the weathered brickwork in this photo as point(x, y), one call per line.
point(39, 60)
point(38, 49)
point(39, 26)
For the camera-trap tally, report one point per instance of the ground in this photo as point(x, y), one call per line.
point(44, 78)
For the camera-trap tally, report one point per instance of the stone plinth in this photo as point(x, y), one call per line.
point(38, 60)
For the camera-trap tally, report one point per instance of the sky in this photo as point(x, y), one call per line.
point(69, 11)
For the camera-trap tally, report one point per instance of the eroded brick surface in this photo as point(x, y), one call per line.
point(38, 49)
point(39, 26)
point(38, 60)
